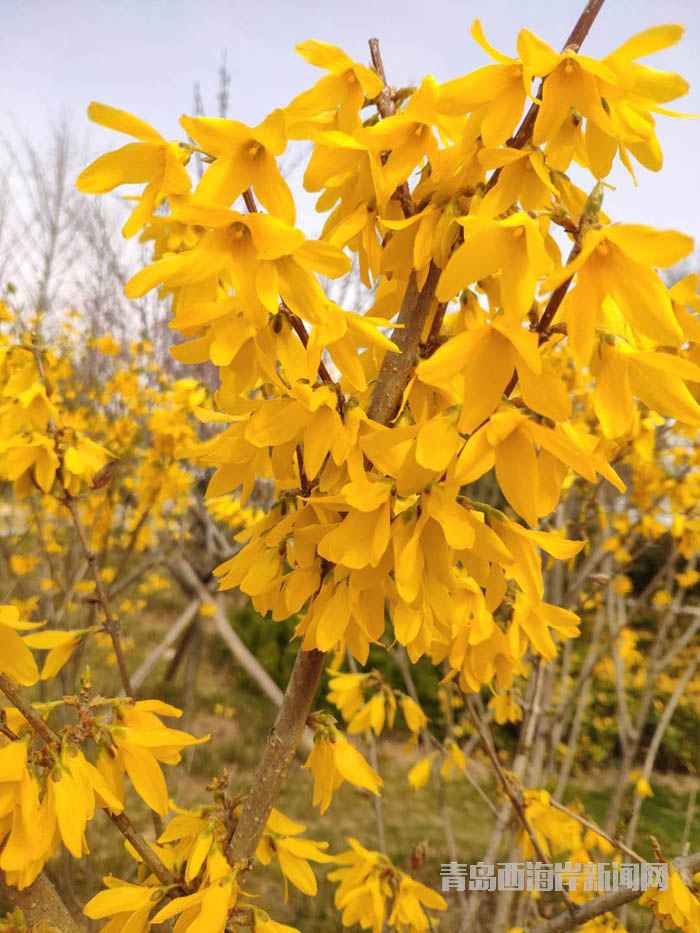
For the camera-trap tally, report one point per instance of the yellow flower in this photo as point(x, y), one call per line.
point(419, 775)
point(142, 741)
point(494, 94)
point(244, 157)
point(505, 708)
point(454, 762)
point(15, 657)
point(622, 584)
point(129, 905)
point(408, 136)
point(571, 80)
point(260, 255)
point(345, 692)
point(343, 90)
point(616, 261)
point(334, 760)
point(661, 598)
point(409, 901)
point(60, 646)
point(515, 245)
point(207, 909)
point(677, 906)
point(107, 345)
point(21, 564)
point(263, 923)
point(369, 883)
point(73, 789)
point(688, 578)
point(152, 160)
point(637, 96)
point(279, 841)
point(371, 716)
point(413, 714)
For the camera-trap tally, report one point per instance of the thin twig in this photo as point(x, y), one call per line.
point(110, 622)
point(615, 843)
point(514, 799)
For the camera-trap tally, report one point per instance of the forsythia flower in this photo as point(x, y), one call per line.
point(413, 714)
point(21, 564)
point(207, 909)
point(279, 841)
point(372, 891)
point(152, 160)
point(334, 760)
point(15, 657)
point(141, 741)
point(343, 90)
point(419, 775)
point(622, 584)
point(661, 598)
point(505, 708)
point(60, 646)
point(129, 905)
point(244, 157)
point(676, 907)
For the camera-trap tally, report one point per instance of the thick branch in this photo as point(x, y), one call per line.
point(279, 751)
point(186, 576)
point(40, 903)
point(396, 367)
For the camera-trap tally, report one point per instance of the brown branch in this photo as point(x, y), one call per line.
point(610, 901)
point(396, 367)
point(128, 830)
point(557, 296)
point(249, 201)
point(387, 108)
point(433, 339)
point(583, 25)
point(41, 905)
point(282, 742)
point(385, 101)
point(14, 695)
point(303, 478)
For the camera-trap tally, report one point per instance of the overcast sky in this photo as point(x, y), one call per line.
point(145, 56)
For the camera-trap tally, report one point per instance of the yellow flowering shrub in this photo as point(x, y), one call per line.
point(515, 338)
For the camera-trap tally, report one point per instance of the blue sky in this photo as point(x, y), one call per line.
point(145, 55)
